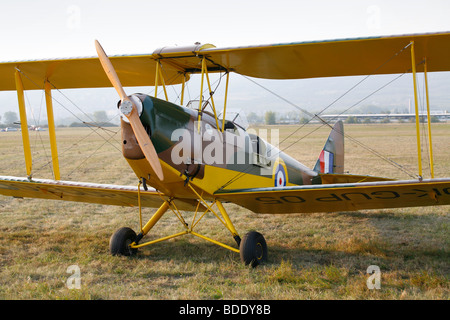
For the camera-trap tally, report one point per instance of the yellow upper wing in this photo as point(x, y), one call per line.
point(87, 192)
point(84, 73)
point(348, 57)
point(341, 197)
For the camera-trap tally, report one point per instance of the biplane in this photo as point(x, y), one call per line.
point(188, 157)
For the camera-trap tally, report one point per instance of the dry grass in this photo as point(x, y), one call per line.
point(311, 256)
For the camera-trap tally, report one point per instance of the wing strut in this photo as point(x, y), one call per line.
point(200, 106)
point(429, 119)
point(51, 129)
point(160, 75)
point(23, 123)
point(416, 103)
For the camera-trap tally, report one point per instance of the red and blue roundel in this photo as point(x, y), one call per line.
point(280, 176)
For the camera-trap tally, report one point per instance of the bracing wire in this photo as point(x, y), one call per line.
point(354, 140)
point(93, 126)
point(324, 122)
point(36, 122)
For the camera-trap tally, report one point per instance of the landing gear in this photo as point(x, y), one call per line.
point(119, 244)
point(253, 249)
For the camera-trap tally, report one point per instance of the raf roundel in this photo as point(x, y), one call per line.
point(280, 176)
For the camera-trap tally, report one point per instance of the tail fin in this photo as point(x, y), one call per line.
point(331, 159)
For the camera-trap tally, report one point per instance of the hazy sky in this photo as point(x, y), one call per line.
point(33, 29)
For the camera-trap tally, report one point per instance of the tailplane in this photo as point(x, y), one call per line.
point(331, 159)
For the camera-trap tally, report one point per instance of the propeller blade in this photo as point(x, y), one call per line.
point(109, 70)
point(145, 143)
point(130, 111)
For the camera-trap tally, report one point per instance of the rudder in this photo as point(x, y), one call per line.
point(331, 158)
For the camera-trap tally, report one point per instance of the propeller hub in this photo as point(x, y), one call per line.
point(126, 107)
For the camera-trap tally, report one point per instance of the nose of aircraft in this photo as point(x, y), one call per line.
point(130, 110)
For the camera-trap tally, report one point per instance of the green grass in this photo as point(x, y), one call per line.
point(311, 256)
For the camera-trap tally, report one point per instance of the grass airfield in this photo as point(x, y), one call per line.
point(311, 256)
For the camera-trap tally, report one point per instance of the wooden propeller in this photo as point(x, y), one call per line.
point(129, 109)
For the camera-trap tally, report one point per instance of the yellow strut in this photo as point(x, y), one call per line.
point(23, 123)
point(226, 218)
point(223, 245)
point(228, 224)
point(162, 82)
point(51, 129)
point(419, 153)
point(201, 94)
point(182, 89)
point(429, 120)
point(139, 204)
point(135, 246)
point(156, 78)
point(189, 230)
point(212, 98)
point(155, 218)
point(225, 103)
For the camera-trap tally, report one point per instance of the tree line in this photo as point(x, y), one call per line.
point(11, 118)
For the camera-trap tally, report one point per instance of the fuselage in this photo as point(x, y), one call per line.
point(211, 158)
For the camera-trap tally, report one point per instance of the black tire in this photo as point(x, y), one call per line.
point(253, 249)
point(119, 244)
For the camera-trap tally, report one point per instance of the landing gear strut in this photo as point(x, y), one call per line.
point(252, 248)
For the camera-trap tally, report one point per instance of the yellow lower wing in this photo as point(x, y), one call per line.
point(87, 192)
point(341, 197)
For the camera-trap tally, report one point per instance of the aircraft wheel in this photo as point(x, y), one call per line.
point(253, 249)
point(119, 244)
